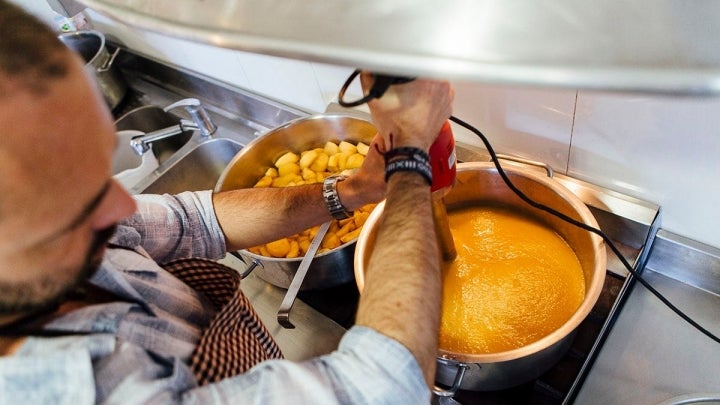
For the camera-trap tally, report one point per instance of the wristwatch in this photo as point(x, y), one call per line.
point(332, 200)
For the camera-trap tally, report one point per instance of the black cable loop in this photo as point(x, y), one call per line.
point(380, 85)
point(586, 227)
point(343, 89)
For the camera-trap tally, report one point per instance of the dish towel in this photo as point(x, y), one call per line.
point(236, 339)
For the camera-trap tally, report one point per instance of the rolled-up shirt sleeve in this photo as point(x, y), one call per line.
point(178, 226)
point(367, 368)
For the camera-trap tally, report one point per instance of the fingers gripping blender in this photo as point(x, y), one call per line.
point(442, 161)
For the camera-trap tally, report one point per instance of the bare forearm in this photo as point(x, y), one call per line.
point(402, 293)
point(250, 217)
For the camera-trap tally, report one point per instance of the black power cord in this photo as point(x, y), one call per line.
point(586, 227)
point(381, 84)
point(378, 88)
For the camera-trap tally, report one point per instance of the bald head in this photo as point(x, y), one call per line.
point(58, 201)
point(32, 59)
point(31, 55)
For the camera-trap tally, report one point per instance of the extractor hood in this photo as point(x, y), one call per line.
point(657, 46)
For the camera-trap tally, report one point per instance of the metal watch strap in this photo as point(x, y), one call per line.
point(332, 200)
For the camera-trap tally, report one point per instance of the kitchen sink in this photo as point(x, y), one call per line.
point(197, 169)
point(151, 118)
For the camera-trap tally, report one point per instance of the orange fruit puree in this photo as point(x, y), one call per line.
point(513, 282)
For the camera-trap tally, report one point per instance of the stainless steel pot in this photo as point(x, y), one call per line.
point(480, 183)
point(91, 46)
point(328, 269)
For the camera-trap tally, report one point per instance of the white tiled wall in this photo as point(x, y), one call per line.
point(535, 124)
point(660, 149)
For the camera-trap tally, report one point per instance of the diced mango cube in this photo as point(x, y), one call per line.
point(359, 217)
point(288, 168)
point(354, 161)
point(331, 148)
point(304, 245)
point(264, 181)
point(271, 172)
point(362, 148)
point(333, 164)
point(321, 163)
point(345, 229)
point(278, 248)
point(331, 241)
point(264, 251)
point(347, 147)
point(294, 250)
point(313, 231)
point(308, 174)
point(308, 158)
point(350, 236)
point(342, 161)
point(288, 157)
point(284, 181)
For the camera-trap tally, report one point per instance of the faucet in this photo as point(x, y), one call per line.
point(200, 122)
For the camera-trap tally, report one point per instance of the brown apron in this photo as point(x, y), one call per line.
point(235, 340)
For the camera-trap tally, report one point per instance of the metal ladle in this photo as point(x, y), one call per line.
point(283, 316)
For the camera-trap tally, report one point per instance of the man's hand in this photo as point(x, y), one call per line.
point(367, 184)
point(410, 114)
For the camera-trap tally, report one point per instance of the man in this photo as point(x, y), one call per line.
point(84, 320)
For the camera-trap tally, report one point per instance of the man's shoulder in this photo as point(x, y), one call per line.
point(125, 237)
point(46, 369)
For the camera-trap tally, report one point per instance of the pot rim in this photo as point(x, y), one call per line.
point(295, 259)
point(88, 33)
point(592, 291)
point(252, 144)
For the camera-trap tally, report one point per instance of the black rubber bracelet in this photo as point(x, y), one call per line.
point(409, 165)
point(408, 152)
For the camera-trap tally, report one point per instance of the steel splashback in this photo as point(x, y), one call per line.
point(667, 46)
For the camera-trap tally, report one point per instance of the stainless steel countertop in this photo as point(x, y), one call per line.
point(651, 355)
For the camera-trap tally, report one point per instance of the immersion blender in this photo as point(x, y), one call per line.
point(444, 167)
point(442, 160)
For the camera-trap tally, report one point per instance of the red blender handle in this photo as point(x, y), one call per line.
point(443, 159)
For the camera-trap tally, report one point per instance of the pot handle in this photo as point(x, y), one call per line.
point(444, 393)
point(283, 315)
point(249, 268)
point(548, 169)
point(107, 65)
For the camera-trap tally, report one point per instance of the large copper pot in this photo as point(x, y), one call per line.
point(480, 183)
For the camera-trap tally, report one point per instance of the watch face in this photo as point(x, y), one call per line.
point(332, 200)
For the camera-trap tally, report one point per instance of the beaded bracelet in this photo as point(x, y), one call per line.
point(408, 160)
